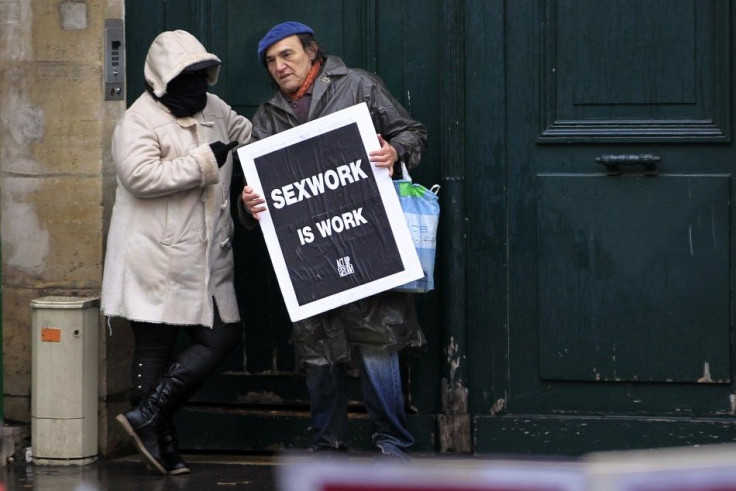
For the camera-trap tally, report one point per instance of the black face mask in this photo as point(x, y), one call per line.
point(186, 94)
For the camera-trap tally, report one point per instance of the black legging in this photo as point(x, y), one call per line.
point(154, 349)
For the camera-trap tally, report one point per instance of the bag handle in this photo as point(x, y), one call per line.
point(405, 172)
point(405, 175)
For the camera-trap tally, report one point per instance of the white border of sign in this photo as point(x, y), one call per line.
point(412, 268)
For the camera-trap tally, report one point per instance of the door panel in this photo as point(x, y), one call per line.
point(635, 70)
point(606, 291)
point(633, 286)
point(619, 283)
point(486, 205)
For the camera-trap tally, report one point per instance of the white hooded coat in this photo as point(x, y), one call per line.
point(169, 245)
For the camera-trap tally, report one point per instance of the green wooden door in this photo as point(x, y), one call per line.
point(257, 401)
point(618, 165)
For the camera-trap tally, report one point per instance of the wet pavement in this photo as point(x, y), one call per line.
point(130, 473)
point(685, 469)
point(300, 470)
point(294, 472)
point(704, 467)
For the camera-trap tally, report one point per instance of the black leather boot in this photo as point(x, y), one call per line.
point(174, 464)
point(145, 422)
point(142, 425)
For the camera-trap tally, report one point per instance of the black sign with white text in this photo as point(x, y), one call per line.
point(328, 214)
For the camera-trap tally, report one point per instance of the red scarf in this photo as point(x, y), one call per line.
point(311, 76)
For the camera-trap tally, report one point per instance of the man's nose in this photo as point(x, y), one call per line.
point(280, 65)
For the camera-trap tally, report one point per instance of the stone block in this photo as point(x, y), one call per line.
point(17, 344)
point(17, 25)
point(73, 16)
point(52, 232)
point(17, 409)
point(72, 138)
point(55, 43)
point(114, 442)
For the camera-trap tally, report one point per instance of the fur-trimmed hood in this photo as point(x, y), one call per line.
point(170, 53)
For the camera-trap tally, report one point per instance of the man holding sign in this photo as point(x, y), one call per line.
point(311, 85)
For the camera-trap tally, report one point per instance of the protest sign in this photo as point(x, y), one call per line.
point(334, 228)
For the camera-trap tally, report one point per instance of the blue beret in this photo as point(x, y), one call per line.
point(279, 32)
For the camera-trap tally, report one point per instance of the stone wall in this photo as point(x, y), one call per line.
point(56, 183)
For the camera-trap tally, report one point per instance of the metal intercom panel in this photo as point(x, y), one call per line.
point(114, 60)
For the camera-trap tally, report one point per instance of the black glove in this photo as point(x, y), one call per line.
point(221, 150)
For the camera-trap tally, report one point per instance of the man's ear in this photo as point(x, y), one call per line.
point(312, 51)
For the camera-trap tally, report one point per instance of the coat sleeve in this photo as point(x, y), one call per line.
point(263, 124)
point(240, 129)
point(137, 151)
point(393, 122)
point(260, 129)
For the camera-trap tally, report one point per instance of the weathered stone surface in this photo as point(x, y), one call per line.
point(52, 232)
point(51, 42)
point(15, 36)
point(17, 352)
point(17, 409)
point(55, 130)
point(73, 15)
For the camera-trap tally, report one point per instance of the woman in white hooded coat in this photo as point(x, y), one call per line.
point(169, 261)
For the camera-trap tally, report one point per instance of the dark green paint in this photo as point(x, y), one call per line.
point(647, 71)
point(485, 204)
point(407, 59)
point(452, 200)
point(629, 289)
point(568, 436)
point(609, 313)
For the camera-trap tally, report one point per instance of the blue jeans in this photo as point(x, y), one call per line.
point(381, 381)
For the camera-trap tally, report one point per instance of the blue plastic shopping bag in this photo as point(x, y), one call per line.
point(422, 211)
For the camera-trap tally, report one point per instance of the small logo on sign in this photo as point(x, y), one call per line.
point(344, 267)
